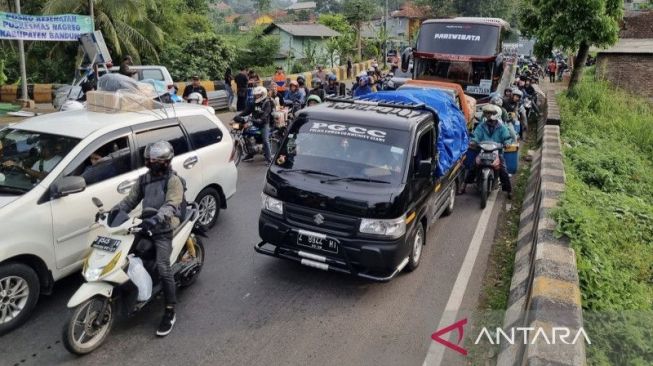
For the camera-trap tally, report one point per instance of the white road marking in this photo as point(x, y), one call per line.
point(436, 350)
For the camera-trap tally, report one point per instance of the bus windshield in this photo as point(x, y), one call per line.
point(468, 39)
point(474, 77)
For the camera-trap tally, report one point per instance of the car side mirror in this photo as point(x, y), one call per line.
point(66, 186)
point(424, 169)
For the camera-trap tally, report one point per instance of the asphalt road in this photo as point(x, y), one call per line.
point(249, 309)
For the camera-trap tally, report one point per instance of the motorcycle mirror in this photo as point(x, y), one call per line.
point(97, 202)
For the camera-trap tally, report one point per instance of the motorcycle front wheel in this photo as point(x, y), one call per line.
point(486, 188)
point(89, 326)
point(238, 152)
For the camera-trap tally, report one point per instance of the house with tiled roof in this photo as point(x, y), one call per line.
point(295, 37)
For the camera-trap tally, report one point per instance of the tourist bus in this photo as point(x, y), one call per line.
point(463, 50)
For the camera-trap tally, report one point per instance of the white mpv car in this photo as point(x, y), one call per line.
point(52, 165)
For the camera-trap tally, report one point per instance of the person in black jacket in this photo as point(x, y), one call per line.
point(241, 89)
point(261, 112)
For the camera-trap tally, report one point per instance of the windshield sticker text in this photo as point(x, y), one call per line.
point(459, 37)
point(348, 131)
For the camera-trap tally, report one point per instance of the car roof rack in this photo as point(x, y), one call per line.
point(348, 99)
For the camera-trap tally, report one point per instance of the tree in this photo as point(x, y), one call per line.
point(263, 6)
point(337, 22)
point(575, 25)
point(357, 12)
point(184, 60)
point(124, 23)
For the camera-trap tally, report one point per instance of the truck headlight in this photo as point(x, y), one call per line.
point(271, 204)
point(394, 228)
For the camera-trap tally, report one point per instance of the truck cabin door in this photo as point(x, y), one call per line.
point(423, 162)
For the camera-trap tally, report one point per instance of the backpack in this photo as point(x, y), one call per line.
point(145, 179)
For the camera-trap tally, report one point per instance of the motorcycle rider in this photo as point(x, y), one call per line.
point(515, 106)
point(295, 94)
point(261, 112)
point(313, 100)
point(163, 190)
point(333, 87)
point(507, 96)
point(363, 87)
point(498, 101)
point(491, 129)
point(301, 81)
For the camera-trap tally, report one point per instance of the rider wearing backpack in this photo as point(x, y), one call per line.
point(160, 189)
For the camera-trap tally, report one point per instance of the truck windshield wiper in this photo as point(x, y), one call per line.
point(305, 171)
point(355, 179)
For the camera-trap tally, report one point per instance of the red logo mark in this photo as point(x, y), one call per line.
point(455, 326)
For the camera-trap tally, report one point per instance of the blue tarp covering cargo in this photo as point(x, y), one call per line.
point(453, 139)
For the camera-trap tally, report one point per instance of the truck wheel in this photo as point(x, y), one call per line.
point(209, 204)
point(19, 292)
point(417, 244)
point(452, 200)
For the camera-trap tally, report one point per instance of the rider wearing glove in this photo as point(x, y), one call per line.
point(163, 190)
point(261, 112)
point(491, 129)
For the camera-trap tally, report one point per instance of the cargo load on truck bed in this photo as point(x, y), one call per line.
point(453, 140)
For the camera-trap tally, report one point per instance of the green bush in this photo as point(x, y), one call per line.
point(607, 213)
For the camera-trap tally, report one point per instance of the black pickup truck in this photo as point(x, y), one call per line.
point(357, 183)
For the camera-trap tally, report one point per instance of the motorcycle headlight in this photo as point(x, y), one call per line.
point(93, 274)
point(271, 204)
point(394, 228)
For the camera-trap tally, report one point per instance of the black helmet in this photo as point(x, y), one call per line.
point(301, 79)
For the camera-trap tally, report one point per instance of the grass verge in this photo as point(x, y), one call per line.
point(607, 213)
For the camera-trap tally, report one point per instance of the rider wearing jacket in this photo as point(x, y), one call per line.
point(363, 87)
point(160, 189)
point(261, 112)
point(295, 94)
point(491, 129)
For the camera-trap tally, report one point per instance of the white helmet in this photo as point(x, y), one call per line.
point(72, 105)
point(491, 112)
point(259, 94)
point(195, 98)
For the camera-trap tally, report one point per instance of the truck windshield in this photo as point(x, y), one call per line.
point(459, 39)
point(26, 157)
point(346, 150)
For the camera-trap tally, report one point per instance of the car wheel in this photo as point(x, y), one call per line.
point(417, 244)
point(451, 202)
point(19, 292)
point(209, 206)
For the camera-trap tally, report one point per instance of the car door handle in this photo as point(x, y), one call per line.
point(126, 186)
point(190, 162)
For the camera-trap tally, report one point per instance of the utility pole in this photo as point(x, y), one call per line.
point(387, 35)
point(91, 12)
point(23, 68)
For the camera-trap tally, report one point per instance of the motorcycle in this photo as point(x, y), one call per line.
point(96, 303)
point(487, 169)
point(249, 139)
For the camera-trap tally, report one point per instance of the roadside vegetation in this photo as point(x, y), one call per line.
point(607, 213)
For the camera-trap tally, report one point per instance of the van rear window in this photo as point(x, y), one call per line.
point(459, 39)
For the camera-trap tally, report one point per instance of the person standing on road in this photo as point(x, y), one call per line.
point(125, 68)
point(228, 78)
point(551, 69)
point(160, 189)
point(320, 74)
point(241, 89)
point(195, 87)
point(280, 80)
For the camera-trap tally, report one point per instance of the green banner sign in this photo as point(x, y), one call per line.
point(65, 27)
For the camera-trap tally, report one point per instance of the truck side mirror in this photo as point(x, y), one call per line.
point(424, 169)
point(66, 186)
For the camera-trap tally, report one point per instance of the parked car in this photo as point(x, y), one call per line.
point(74, 91)
point(52, 165)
